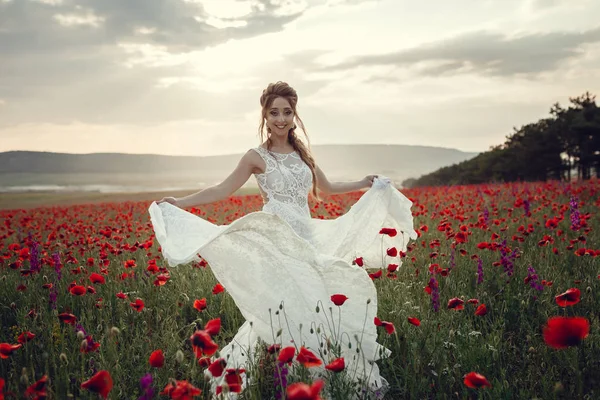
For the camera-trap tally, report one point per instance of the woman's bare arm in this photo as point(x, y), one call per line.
point(327, 187)
point(233, 182)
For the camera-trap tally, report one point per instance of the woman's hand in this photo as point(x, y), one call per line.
point(368, 180)
point(170, 200)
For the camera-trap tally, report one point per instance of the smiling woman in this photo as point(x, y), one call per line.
point(290, 261)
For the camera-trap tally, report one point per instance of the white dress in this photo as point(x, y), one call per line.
point(281, 255)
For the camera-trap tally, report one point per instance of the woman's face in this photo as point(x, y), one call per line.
point(280, 117)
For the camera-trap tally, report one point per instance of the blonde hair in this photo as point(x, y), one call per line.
point(282, 89)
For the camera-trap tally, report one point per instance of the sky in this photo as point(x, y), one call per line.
point(184, 77)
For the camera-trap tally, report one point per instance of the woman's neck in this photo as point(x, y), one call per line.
point(282, 144)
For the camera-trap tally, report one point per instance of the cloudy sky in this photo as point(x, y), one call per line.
point(184, 77)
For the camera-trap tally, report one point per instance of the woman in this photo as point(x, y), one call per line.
point(281, 256)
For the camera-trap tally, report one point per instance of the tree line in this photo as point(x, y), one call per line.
point(564, 146)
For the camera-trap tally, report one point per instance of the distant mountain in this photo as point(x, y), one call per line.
point(338, 162)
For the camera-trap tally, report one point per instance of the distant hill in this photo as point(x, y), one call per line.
point(339, 162)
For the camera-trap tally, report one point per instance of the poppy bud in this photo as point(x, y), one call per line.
point(80, 335)
point(114, 331)
point(368, 301)
point(84, 343)
point(588, 289)
point(24, 377)
point(63, 358)
point(558, 387)
point(531, 350)
point(179, 356)
point(13, 305)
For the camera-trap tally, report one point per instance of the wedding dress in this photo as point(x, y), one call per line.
point(278, 264)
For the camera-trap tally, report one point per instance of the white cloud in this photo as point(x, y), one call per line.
point(79, 19)
point(51, 2)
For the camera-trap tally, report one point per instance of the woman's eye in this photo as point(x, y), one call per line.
point(273, 114)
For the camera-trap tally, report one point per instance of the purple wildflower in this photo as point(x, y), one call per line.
point(533, 279)
point(507, 259)
point(145, 383)
point(52, 296)
point(479, 270)
point(486, 215)
point(57, 265)
point(34, 257)
point(452, 261)
point(280, 376)
point(526, 207)
point(79, 327)
point(575, 222)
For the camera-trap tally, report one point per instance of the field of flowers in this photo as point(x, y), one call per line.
point(498, 298)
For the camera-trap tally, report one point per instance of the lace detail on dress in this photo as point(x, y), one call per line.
point(285, 186)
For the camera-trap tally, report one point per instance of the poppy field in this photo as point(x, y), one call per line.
point(499, 297)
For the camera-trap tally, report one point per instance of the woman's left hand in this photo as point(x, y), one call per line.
point(369, 180)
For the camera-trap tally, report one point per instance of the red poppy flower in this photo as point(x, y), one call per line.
point(414, 321)
point(389, 327)
point(391, 232)
point(376, 275)
point(121, 295)
point(475, 380)
point(100, 383)
point(25, 337)
point(78, 290)
point(301, 391)
point(213, 327)
point(138, 305)
point(217, 367)
point(338, 299)
point(481, 310)
point(234, 379)
point(67, 318)
point(200, 304)
point(308, 358)
point(97, 278)
point(203, 344)
point(157, 359)
point(358, 261)
point(7, 349)
point(37, 390)
point(392, 252)
point(218, 289)
point(336, 365)
point(562, 332)
point(568, 298)
point(456, 304)
point(460, 237)
point(392, 267)
point(286, 355)
point(182, 390)
point(473, 301)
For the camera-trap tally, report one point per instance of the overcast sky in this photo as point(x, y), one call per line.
point(184, 77)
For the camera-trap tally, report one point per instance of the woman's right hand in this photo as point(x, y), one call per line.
point(170, 200)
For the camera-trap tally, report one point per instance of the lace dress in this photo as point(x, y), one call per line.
point(278, 264)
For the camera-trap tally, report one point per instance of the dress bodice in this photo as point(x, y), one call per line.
point(285, 186)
